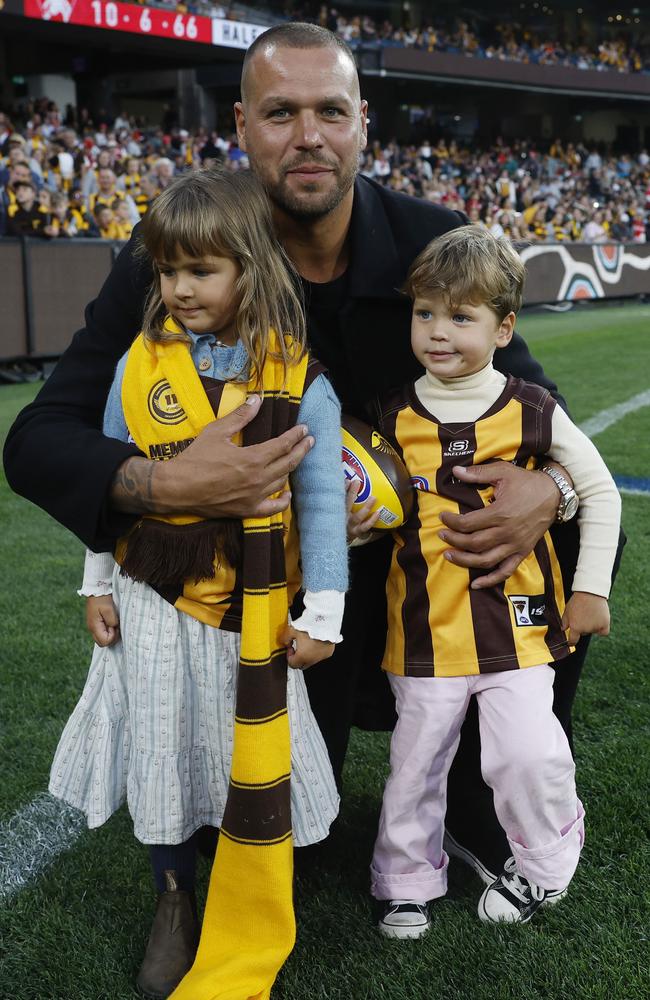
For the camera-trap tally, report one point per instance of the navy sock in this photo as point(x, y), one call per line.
point(180, 858)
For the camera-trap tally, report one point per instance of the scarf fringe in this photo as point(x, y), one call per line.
point(160, 553)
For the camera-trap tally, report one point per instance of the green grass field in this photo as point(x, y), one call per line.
point(77, 932)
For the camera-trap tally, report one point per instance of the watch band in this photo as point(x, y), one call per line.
point(568, 505)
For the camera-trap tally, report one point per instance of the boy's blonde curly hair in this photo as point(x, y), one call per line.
point(469, 265)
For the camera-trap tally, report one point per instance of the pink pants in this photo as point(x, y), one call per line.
point(525, 759)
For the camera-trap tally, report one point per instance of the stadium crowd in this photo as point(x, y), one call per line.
point(64, 178)
point(512, 42)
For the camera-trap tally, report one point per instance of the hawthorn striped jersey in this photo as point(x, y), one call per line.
point(437, 625)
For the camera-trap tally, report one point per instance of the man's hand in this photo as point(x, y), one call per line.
point(585, 614)
point(214, 477)
point(498, 537)
point(302, 651)
point(102, 620)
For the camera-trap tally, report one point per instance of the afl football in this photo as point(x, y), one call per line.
point(370, 459)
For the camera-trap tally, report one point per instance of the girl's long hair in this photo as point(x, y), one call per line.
point(218, 214)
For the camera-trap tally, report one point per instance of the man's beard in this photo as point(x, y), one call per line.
point(298, 206)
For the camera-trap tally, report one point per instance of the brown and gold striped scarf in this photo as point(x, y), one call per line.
point(249, 925)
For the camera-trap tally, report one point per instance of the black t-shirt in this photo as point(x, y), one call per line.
point(324, 304)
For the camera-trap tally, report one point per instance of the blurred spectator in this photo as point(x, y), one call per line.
point(17, 154)
point(164, 170)
point(108, 193)
point(25, 217)
point(123, 220)
point(66, 221)
point(213, 149)
point(15, 174)
point(129, 181)
point(5, 128)
point(594, 231)
point(106, 225)
point(148, 191)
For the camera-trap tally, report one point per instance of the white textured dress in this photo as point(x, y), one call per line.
point(154, 724)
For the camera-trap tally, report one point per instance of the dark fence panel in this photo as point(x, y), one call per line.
point(13, 340)
point(44, 289)
point(65, 278)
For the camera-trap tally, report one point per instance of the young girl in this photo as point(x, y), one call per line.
point(156, 719)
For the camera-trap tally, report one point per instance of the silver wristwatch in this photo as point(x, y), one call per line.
point(568, 496)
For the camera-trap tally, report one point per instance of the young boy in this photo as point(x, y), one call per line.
point(447, 640)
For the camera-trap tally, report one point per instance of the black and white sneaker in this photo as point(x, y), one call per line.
point(456, 850)
point(513, 899)
point(404, 918)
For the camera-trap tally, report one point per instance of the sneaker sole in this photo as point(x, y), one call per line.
point(550, 900)
point(555, 897)
point(403, 933)
point(454, 850)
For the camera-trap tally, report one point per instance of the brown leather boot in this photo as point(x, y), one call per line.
point(172, 943)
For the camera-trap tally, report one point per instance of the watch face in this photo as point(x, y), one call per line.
point(571, 508)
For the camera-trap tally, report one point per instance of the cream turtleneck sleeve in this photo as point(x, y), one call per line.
point(466, 399)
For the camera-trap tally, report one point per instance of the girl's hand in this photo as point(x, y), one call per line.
point(361, 521)
point(585, 614)
point(303, 652)
point(102, 620)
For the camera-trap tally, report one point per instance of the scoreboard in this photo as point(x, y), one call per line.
point(115, 15)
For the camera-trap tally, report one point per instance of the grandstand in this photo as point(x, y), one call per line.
point(521, 70)
point(531, 120)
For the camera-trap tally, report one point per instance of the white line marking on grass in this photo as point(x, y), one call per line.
point(33, 838)
point(601, 421)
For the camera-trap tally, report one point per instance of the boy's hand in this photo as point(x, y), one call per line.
point(585, 614)
point(303, 652)
point(361, 521)
point(102, 620)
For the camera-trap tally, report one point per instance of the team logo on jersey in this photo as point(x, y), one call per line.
point(163, 404)
point(529, 610)
point(420, 483)
point(353, 469)
point(457, 448)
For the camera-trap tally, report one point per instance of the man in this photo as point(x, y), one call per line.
point(302, 123)
point(148, 191)
point(17, 171)
point(164, 170)
point(352, 243)
point(18, 153)
point(108, 193)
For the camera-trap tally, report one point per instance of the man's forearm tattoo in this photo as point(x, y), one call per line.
point(132, 489)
